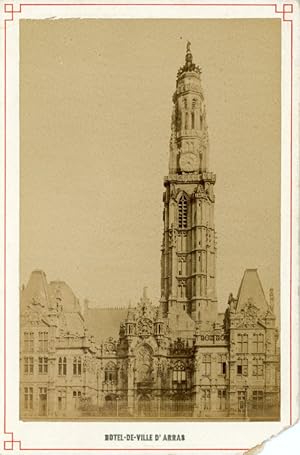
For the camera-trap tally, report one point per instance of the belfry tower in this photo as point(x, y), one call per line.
point(188, 262)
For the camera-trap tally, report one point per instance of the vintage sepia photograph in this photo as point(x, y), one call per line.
point(150, 163)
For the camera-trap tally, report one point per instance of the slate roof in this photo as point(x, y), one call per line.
point(37, 290)
point(251, 288)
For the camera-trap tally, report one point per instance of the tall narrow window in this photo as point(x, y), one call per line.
point(43, 397)
point(28, 365)
point(257, 399)
point(206, 364)
point(193, 120)
point(241, 400)
point(182, 212)
point(222, 364)
point(28, 341)
point(258, 342)
point(62, 366)
point(258, 367)
point(76, 398)
point(43, 365)
point(206, 399)
point(179, 375)
point(43, 341)
point(186, 123)
point(222, 399)
point(242, 343)
point(28, 398)
point(77, 366)
point(61, 400)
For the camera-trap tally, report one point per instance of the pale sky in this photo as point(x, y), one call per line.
point(96, 102)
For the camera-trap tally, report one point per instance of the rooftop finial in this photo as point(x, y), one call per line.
point(188, 56)
point(189, 65)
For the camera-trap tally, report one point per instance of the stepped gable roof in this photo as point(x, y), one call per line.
point(251, 291)
point(103, 323)
point(37, 291)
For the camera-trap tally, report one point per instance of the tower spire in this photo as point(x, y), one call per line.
point(189, 244)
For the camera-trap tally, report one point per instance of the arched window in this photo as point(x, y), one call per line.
point(110, 373)
point(182, 212)
point(201, 122)
point(179, 375)
point(77, 366)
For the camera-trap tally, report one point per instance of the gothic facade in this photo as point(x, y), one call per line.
point(179, 358)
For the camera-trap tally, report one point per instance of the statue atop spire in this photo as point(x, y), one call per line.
point(189, 65)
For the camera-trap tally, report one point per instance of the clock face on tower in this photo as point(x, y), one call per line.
point(189, 162)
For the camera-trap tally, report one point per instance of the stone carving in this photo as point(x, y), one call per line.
point(144, 327)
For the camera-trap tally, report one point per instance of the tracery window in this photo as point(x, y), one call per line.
point(182, 212)
point(110, 372)
point(179, 375)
